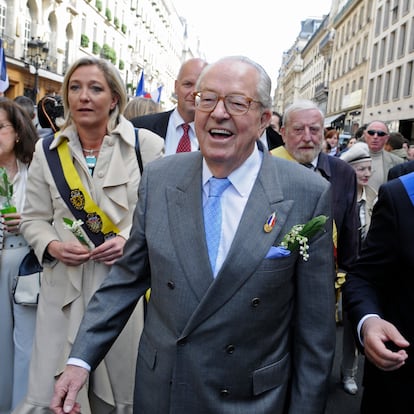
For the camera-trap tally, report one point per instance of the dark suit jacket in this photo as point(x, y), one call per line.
point(344, 203)
point(274, 139)
point(400, 169)
point(382, 282)
point(236, 343)
point(157, 123)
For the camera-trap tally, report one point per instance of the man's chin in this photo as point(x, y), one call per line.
point(305, 157)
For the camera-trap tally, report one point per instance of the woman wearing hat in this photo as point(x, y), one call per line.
point(358, 157)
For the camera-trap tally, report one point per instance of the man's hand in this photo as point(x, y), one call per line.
point(66, 390)
point(376, 332)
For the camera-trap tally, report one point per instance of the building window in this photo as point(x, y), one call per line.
point(394, 11)
point(361, 17)
point(378, 22)
point(411, 45)
point(408, 84)
point(387, 84)
point(357, 51)
point(378, 90)
point(386, 21)
point(3, 10)
point(397, 81)
point(401, 40)
point(374, 57)
point(382, 52)
point(370, 92)
point(406, 6)
point(391, 47)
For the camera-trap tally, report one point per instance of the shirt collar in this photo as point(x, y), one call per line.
point(178, 121)
point(242, 178)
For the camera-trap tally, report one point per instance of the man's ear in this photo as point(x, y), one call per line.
point(265, 119)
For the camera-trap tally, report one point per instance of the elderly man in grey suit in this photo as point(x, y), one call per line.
point(245, 326)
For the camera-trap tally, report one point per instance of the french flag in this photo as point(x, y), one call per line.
point(4, 78)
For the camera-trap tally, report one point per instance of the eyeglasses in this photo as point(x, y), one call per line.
point(372, 132)
point(234, 104)
point(4, 126)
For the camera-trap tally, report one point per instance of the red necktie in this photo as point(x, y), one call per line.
point(184, 145)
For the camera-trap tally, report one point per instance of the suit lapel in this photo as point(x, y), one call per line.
point(251, 242)
point(185, 206)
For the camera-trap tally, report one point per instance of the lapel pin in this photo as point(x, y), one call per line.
point(270, 223)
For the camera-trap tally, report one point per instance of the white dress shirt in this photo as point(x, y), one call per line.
point(175, 132)
point(233, 200)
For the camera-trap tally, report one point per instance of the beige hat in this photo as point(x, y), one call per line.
point(357, 153)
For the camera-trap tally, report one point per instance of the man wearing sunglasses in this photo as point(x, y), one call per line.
point(376, 135)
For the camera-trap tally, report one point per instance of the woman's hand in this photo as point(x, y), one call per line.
point(69, 253)
point(11, 222)
point(109, 251)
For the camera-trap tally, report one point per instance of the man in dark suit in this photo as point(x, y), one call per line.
point(400, 169)
point(302, 132)
point(250, 330)
point(169, 124)
point(272, 132)
point(379, 297)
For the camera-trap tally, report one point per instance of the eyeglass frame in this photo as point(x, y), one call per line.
point(2, 126)
point(372, 132)
point(249, 100)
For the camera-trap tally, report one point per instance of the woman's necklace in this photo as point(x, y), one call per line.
point(90, 158)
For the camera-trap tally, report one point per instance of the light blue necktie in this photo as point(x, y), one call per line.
point(212, 217)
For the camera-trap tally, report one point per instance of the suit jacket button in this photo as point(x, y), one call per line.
point(224, 392)
point(171, 284)
point(255, 302)
point(230, 349)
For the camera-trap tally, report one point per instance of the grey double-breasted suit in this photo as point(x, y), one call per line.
point(261, 330)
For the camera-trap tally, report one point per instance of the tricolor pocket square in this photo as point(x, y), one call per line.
point(277, 252)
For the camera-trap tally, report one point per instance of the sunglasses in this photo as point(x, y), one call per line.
point(372, 132)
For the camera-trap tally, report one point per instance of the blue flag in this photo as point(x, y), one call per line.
point(4, 78)
point(140, 91)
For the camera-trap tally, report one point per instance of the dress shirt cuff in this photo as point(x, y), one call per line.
point(363, 319)
point(79, 363)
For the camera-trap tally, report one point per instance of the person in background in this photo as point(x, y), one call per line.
point(379, 297)
point(358, 157)
point(17, 322)
point(50, 115)
point(395, 145)
point(376, 135)
point(27, 104)
point(151, 145)
point(332, 138)
point(94, 179)
point(271, 137)
point(410, 153)
point(246, 330)
point(177, 126)
point(303, 134)
point(139, 106)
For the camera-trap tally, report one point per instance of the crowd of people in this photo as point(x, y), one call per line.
point(187, 279)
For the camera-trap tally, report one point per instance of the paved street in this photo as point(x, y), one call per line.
point(339, 401)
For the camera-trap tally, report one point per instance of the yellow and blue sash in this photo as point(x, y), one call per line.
point(97, 225)
point(408, 183)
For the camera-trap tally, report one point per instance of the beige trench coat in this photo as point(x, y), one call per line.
point(66, 290)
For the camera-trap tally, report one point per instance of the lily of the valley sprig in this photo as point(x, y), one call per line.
point(300, 234)
point(75, 228)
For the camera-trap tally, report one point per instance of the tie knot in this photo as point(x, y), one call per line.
point(217, 186)
point(186, 128)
